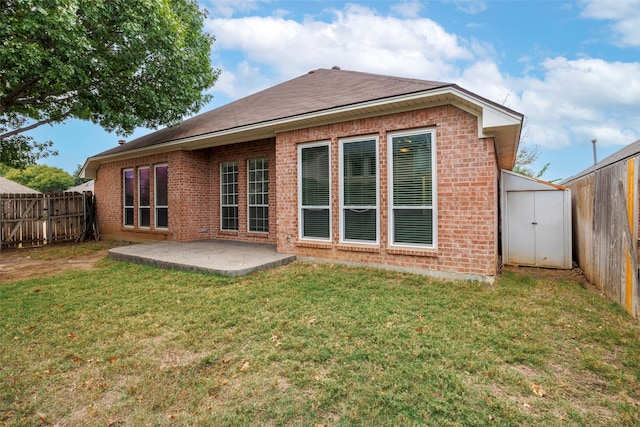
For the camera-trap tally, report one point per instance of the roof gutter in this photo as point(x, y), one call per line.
point(491, 117)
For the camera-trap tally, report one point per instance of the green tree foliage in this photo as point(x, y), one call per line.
point(527, 155)
point(121, 64)
point(43, 178)
point(76, 176)
point(4, 169)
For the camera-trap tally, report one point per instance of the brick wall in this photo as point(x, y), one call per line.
point(467, 186)
point(194, 200)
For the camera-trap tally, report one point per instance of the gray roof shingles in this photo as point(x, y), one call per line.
point(315, 91)
point(10, 187)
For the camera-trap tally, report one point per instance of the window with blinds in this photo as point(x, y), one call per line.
point(229, 195)
point(412, 220)
point(359, 190)
point(315, 191)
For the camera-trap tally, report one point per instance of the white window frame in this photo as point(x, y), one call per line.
point(300, 207)
point(124, 198)
point(237, 194)
point(434, 178)
point(140, 205)
point(341, 143)
point(156, 206)
point(265, 183)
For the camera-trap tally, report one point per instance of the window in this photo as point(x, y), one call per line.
point(162, 196)
point(412, 187)
point(258, 195)
point(144, 198)
point(127, 195)
point(314, 191)
point(229, 195)
point(359, 195)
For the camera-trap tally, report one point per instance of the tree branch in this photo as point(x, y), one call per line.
point(8, 100)
point(34, 125)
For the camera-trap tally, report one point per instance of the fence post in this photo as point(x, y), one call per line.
point(84, 212)
point(1, 217)
point(48, 220)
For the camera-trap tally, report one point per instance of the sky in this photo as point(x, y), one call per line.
point(572, 68)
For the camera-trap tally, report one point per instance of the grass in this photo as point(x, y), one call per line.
point(312, 344)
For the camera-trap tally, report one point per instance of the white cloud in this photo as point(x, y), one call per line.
point(357, 38)
point(580, 100)
point(570, 102)
point(472, 7)
point(625, 15)
point(409, 9)
point(242, 80)
point(228, 8)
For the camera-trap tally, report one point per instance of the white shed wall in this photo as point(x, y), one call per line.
point(536, 222)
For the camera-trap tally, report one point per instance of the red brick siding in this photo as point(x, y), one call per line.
point(194, 199)
point(467, 177)
point(467, 188)
point(242, 153)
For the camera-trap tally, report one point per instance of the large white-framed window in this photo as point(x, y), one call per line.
point(359, 190)
point(128, 184)
point(144, 197)
point(412, 187)
point(229, 196)
point(314, 191)
point(161, 199)
point(258, 195)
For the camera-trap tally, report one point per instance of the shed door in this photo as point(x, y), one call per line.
point(536, 228)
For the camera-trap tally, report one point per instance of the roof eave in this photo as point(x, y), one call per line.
point(493, 121)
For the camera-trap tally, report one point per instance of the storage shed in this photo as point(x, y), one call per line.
point(536, 222)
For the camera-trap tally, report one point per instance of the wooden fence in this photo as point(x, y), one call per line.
point(38, 219)
point(605, 230)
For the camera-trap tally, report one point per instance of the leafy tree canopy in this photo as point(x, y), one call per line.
point(43, 178)
point(121, 64)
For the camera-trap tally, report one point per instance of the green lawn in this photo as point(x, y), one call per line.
point(305, 344)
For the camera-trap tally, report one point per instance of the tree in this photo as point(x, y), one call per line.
point(527, 155)
point(121, 64)
point(76, 176)
point(4, 169)
point(43, 178)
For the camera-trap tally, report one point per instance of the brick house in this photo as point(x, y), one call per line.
point(332, 165)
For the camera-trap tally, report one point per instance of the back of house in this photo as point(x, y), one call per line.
point(332, 165)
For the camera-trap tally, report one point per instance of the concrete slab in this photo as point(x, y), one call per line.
point(224, 257)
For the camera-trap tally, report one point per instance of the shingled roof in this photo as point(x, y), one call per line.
point(11, 187)
point(318, 97)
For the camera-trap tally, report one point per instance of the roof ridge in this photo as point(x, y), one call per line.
point(384, 76)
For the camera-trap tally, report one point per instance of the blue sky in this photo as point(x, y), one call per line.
point(572, 68)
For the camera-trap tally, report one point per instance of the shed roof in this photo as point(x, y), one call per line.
point(319, 97)
point(624, 153)
point(11, 187)
point(81, 188)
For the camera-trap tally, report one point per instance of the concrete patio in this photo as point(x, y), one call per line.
point(228, 258)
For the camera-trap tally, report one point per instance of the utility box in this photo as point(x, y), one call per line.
point(536, 222)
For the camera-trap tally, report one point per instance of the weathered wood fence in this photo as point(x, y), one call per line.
point(605, 229)
point(38, 219)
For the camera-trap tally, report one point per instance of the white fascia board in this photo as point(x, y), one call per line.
point(490, 118)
